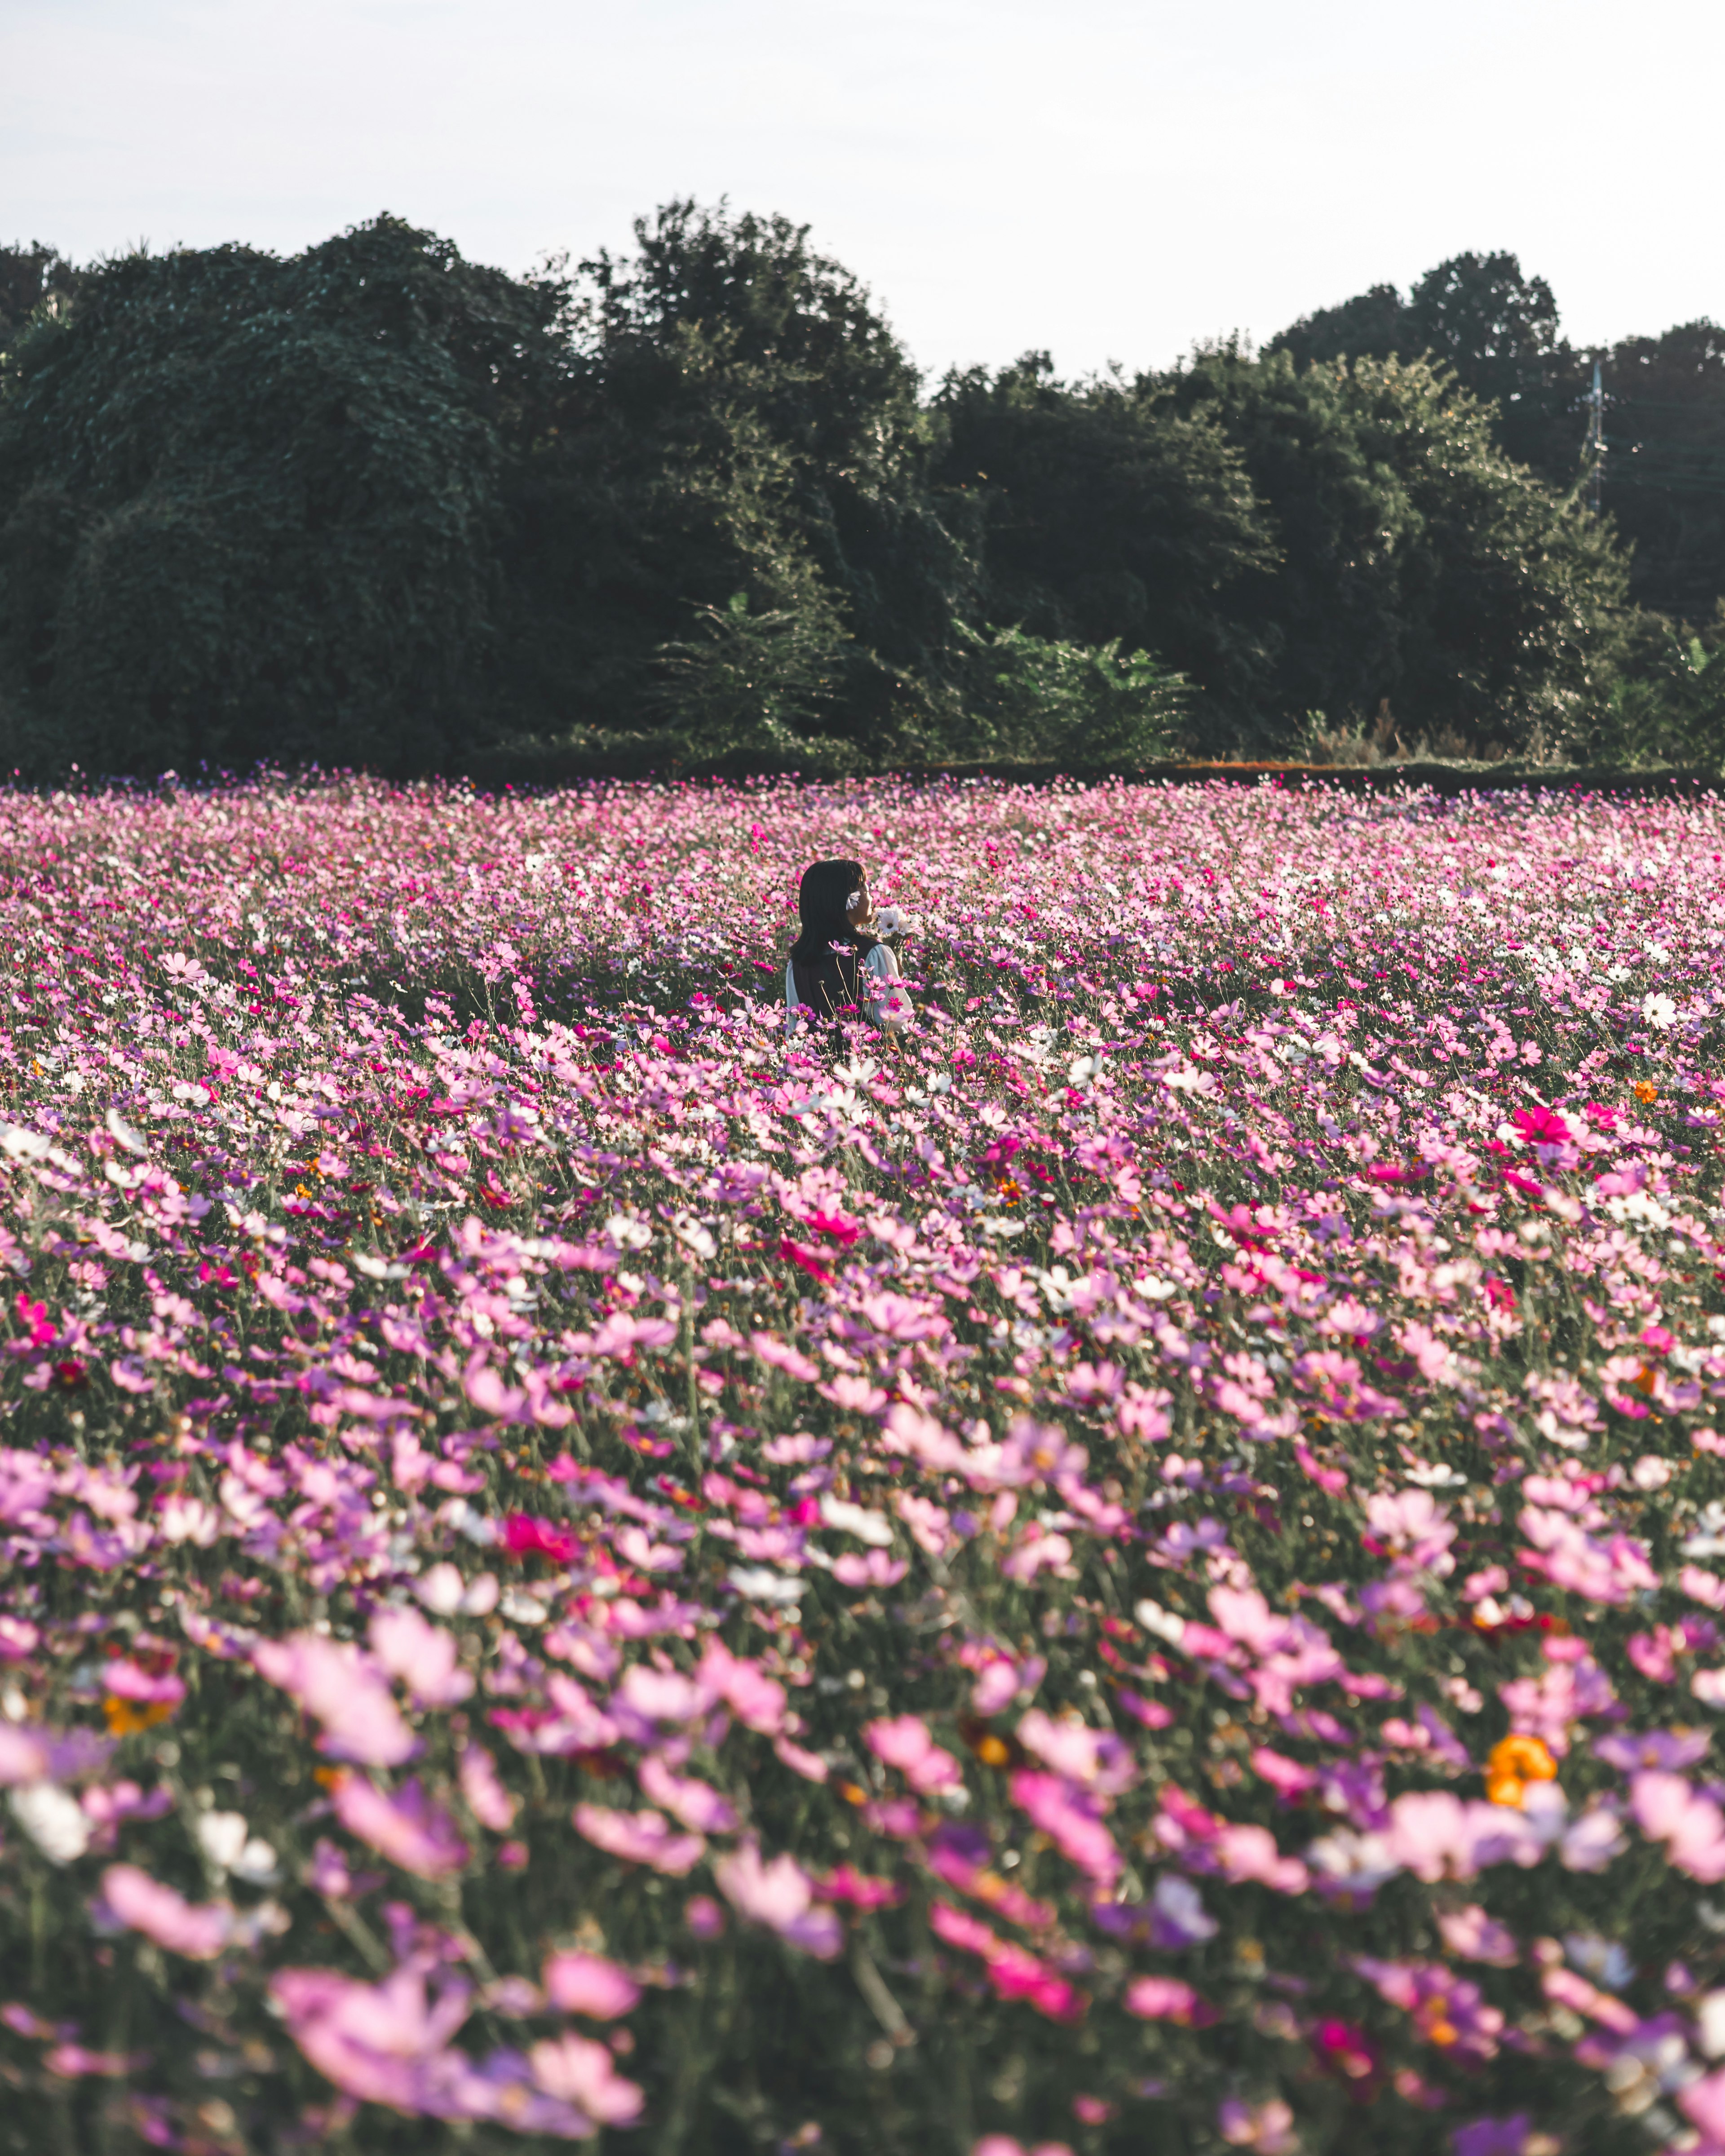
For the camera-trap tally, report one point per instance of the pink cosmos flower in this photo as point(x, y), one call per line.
point(1416, 1527)
point(1702, 2103)
point(582, 2073)
point(75, 2062)
point(1433, 1994)
point(958, 1927)
point(340, 1687)
point(695, 1803)
point(778, 1897)
point(407, 1828)
point(487, 1800)
point(1166, 1999)
point(808, 1764)
point(918, 1436)
point(1249, 1852)
point(1095, 1758)
point(1548, 1705)
point(1013, 1971)
point(904, 1743)
point(380, 2042)
point(1288, 1778)
point(757, 1700)
point(1266, 2127)
point(1432, 1835)
point(422, 1655)
point(845, 1883)
point(107, 1805)
point(1472, 1935)
point(1071, 1821)
point(704, 1917)
point(643, 1837)
point(587, 1984)
point(1693, 1827)
point(525, 1534)
point(125, 1680)
point(199, 1932)
point(1016, 1972)
point(870, 1569)
point(649, 1697)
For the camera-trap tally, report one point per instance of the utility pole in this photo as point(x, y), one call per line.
point(1595, 451)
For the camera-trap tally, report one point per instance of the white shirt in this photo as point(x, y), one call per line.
point(889, 1010)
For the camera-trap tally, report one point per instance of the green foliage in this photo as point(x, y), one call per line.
point(376, 504)
point(738, 418)
point(1418, 563)
point(1498, 331)
point(1037, 698)
point(751, 681)
point(1668, 702)
point(1105, 518)
point(1665, 465)
point(249, 505)
point(30, 277)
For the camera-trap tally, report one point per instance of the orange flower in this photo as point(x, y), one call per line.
point(1646, 1093)
point(1514, 1763)
point(127, 1717)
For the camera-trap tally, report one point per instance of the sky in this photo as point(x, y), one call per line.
point(1109, 180)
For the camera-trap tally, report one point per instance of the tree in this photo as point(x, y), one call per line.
point(1418, 563)
point(1040, 698)
point(750, 681)
point(1664, 469)
point(1107, 518)
point(250, 506)
point(1496, 329)
point(739, 417)
point(28, 275)
point(1372, 326)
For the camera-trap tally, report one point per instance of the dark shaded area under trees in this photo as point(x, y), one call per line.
point(376, 504)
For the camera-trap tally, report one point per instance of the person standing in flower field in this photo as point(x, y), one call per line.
point(843, 958)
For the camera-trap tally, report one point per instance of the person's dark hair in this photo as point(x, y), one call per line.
point(826, 977)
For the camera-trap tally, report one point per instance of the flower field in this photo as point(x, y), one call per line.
point(1137, 1568)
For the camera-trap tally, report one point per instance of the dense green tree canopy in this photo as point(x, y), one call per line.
point(375, 503)
point(1496, 329)
point(249, 505)
point(1665, 465)
point(1418, 564)
point(30, 275)
point(1105, 517)
point(740, 420)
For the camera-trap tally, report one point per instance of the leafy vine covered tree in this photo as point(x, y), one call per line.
point(250, 507)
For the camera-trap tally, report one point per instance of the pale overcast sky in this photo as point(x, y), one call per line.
point(1109, 178)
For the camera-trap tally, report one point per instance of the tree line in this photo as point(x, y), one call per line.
point(374, 503)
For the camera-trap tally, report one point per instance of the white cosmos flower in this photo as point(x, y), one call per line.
point(756, 1583)
point(53, 1820)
